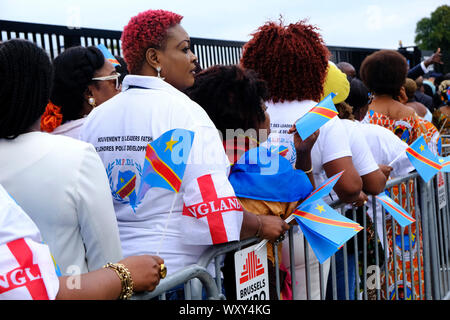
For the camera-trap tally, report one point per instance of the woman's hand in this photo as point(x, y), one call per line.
point(303, 147)
point(145, 271)
point(273, 227)
point(385, 169)
point(362, 199)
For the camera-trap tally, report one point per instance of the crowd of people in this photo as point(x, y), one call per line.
point(74, 136)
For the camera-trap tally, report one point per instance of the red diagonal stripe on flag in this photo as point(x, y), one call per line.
point(163, 169)
point(331, 222)
point(24, 256)
point(423, 159)
point(128, 188)
point(390, 205)
point(323, 112)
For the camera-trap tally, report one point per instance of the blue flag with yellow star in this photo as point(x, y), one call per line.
point(165, 161)
point(444, 162)
point(325, 229)
point(425, 161)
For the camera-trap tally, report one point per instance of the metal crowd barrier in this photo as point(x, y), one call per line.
point(432, 218)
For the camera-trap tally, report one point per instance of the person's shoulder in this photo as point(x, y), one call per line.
point(67, 145)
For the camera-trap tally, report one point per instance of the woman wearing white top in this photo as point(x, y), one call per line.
point(157, 51)
point(293, 60)
point(60, 182)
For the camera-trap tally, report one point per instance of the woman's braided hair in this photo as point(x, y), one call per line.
point(74, 69)
point(25, 84)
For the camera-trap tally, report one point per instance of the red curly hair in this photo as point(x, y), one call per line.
point(146, 30)
point(292, 59)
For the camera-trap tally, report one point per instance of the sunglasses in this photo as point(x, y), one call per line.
point(115, 76)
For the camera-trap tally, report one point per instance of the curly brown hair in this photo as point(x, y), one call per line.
point(384, 72)
point(292, 59)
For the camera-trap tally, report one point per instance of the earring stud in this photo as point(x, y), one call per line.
point(158, 69)
point(91, 102)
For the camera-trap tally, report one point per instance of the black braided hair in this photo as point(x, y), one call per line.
point(74, 69)
point(25, 84)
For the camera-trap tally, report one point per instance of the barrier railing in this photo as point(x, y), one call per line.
point(411, 263)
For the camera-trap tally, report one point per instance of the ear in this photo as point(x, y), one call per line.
point(152, 57)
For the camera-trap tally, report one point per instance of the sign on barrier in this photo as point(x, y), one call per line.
point(252, 282)
point(442, 201)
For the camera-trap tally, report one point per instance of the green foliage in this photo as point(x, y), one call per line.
point(434, 32)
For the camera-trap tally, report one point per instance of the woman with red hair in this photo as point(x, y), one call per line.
point(157, 51)
point(293, 60)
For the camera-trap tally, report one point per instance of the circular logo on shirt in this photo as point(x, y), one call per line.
point(123, 175)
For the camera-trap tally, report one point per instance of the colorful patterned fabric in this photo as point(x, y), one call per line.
point(408, 129)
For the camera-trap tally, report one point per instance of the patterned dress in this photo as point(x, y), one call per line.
point(407, 129)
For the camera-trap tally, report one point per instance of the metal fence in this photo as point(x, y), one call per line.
point(428, 244)
point(54, 39)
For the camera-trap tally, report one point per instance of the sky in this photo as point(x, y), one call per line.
point(349, 23)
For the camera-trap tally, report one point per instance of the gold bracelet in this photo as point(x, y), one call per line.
point(309, 171)
point(125, 279)
point(259, 227)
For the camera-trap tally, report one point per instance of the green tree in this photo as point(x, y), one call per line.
point(433, 33)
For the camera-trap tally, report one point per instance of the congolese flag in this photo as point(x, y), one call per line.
point(324, 189)
point(266, 175)
point(425, 162)
point(325, 229)
point(396, 211)
point(445, 163)
point(316, 117)
point(108, 55)
point(165, 161)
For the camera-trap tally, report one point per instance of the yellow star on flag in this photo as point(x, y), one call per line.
point(441, 160)
point(170, 144)
point(422, 147)
point(320, 208)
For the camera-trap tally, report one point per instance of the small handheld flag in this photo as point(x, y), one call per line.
point(325, 229)
point(165, 161)
point(324, 189)
point(396, 211)
point(444, 162)
point(108, 55)
point(316, 117)
point(425, 162)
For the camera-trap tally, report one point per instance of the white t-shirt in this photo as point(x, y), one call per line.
point(385, 146)
point(26, 266)
point(120, 130)
point(362, 157)
point(331, 144)
point(61, 184)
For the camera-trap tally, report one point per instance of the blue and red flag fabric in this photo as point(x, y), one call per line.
point(425, 161)
point(281, 150)
point(323, 112)
point(165, 161)
point(396, 211)
point(444, 162)
point(325, 229)
point(261, 174)
point(324, 189)
point(108, 55)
